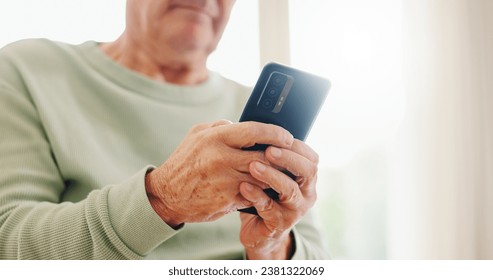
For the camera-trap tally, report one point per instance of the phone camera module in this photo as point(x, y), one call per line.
point(275, 92)
point(267, 104)
point(272, 92)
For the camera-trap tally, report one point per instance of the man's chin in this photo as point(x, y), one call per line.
point(192, 15)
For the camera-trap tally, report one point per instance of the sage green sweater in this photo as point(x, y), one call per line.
point(78, 133)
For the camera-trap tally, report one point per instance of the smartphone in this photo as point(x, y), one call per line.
point(286, 97)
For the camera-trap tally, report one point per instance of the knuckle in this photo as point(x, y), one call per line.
point(199, 127)
point(280, 133)
point(268, 205)
point(290, 195)
point(247, 126)
point(245, 129)
point(314, 170)
point(195, 128)
point(316, 158)
point(311, 198)
point(254, 129)
point(221, 122)
point(308, 152)
point(218, 135)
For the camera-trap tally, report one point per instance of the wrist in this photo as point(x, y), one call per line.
point(154, 189)
point(283, 249)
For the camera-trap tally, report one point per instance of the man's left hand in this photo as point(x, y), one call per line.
point(268, 236)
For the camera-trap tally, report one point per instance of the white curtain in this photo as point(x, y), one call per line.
point(441, 196)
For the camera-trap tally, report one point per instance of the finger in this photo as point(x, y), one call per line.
point(295, 163)
point(247, 134)
point(300, 166)
point(303, 149)
point(289, 192)
point(202, 126)
point(221, 122)
point(241, 159)
point(241, 202)
point(248, 178)
point(267, 208)
point(199, 127)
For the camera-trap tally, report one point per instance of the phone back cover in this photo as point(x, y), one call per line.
point(301, 106)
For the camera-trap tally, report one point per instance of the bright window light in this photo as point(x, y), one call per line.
point(73, 21)
point(356, 44)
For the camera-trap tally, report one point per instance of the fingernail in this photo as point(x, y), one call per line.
point(260, 167)
point(248, 187)
point(275, 152)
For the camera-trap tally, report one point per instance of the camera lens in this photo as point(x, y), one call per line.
point(278, 80)
point(272, 92)
point(267, 103)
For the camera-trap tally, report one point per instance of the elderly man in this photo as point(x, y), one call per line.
point(101, 156)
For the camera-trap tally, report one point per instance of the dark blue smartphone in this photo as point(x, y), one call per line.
point(286, 97)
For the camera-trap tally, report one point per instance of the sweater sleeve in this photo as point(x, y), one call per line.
point(309, 244)
point(113, 222)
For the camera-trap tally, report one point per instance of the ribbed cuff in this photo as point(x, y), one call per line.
point(133, 218)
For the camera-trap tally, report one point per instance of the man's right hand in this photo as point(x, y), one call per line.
point(200, 181)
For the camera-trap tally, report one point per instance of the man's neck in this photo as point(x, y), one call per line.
point(175, 69)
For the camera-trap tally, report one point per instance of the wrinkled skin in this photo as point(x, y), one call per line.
point(200, 181)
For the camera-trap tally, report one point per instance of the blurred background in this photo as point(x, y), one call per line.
point(406, 135)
